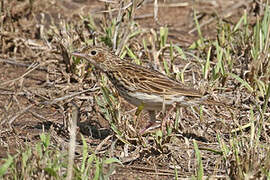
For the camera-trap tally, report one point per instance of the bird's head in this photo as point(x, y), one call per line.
point(97, 56)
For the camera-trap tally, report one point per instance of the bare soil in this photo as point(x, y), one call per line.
point(22, 45)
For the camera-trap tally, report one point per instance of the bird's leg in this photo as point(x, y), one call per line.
point(152, 115)
point(163, 105)
point(165, 119)
point(152, 124)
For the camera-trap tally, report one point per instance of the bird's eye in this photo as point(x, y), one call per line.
point(93, 52)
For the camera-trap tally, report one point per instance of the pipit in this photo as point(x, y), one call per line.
point(141, 86)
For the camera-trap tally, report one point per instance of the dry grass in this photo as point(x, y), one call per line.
point(44, 91)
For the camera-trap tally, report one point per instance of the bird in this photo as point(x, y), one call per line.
point(140, 85)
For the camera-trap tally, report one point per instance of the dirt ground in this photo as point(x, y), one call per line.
point(33, 71)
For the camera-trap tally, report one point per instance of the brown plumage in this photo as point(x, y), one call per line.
point(139, 85)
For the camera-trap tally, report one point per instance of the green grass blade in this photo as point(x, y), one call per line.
point(6, 165)
point(207, 64)
point(112, 160)
point(180, 52)
point(243, 82)
point(199, 160)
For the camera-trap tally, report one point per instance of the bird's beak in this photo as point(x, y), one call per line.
point(78, 54)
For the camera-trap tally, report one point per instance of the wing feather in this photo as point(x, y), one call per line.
point(148, 80)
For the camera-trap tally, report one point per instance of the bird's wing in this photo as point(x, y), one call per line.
point(148, 80)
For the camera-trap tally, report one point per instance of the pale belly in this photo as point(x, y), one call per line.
point(152, 102)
